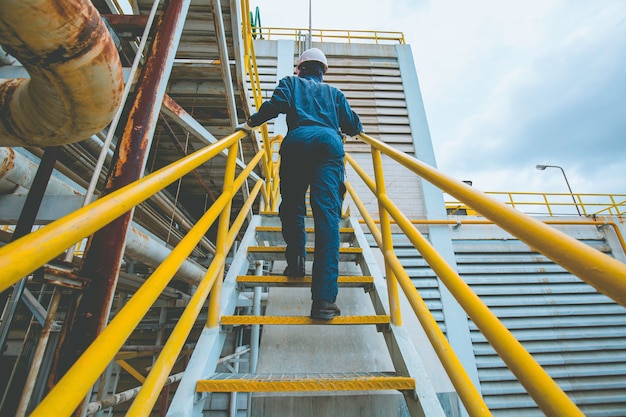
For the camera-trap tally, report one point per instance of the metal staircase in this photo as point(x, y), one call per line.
point(298, 379)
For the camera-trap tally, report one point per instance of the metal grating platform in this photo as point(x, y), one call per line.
point(299, 320)
point(277, 253)
point(273, 234)
point(305, 382)
point(246, 281)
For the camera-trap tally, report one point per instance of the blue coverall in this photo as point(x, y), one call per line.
point(312, 155)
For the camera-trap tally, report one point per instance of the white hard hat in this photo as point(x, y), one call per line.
point(314, 54)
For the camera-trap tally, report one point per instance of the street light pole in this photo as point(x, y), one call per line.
point(542, 167)
point(310, 39)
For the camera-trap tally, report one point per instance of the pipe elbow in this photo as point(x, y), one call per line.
point(76, 81)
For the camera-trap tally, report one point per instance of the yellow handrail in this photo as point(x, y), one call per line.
point(548, 395)
point(149, 393)
point(376, 36)
point(156, 379)
point(598, 223)
point(23, 256)
point(251, 69)
point(589, 204)
point(597, 269)
point(467, 391)
point(72, 388)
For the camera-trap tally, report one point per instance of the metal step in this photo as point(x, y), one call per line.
point(277, 253)
point(358, 381)
point(309, 214)
point(273, 234)
point(247, 281)
point(303, 320)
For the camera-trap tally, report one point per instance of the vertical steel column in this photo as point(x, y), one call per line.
point(104, 256)
point(104, 151)
point(39, 354)
point(255, 332)
point(9, 302)
point(222, 48)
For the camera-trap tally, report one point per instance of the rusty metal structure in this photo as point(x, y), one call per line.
point(65, 67)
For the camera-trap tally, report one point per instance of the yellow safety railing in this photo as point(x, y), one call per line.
point(600, 222)
point(553, 204)
point(25, 255)
point(270, 144)
point(334, 35)
point(599, 270)
point(20, 258)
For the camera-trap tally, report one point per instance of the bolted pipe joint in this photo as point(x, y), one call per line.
point(76, 81)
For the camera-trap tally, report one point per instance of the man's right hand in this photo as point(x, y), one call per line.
point(244, 127)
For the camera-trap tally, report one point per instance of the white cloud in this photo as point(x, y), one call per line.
point(507, 85)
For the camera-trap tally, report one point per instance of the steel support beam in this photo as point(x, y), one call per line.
point(103, 260)
point(9, 299)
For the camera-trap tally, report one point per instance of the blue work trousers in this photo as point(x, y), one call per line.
point(313, 157)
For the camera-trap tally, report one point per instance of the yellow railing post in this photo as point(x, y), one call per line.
point(222, 237)
point(274, 180)
point(270, 170)
point(385, 227)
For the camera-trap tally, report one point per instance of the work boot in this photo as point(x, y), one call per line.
point(324, 310)
point(295, 269)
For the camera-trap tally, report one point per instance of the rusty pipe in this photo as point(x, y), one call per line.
point(17, 173)
point(76, 79)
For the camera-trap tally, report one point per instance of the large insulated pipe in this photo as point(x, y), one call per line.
point(76, 79)
point(17, 173)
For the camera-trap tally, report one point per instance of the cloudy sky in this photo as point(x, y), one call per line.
point(506, 84)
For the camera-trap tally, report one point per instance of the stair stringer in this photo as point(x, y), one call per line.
point(423, 401)
point(203, 362)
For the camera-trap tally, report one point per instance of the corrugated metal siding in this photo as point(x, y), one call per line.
point(373, 86)
point(575, 333)
point(422, 276)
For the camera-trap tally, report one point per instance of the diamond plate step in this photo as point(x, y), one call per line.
point(273, 234)
point(246, 281)
point(277, 253)
point(358, 381)
point(302, 320)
